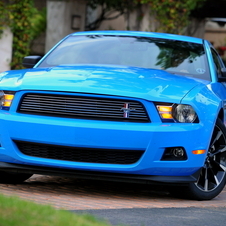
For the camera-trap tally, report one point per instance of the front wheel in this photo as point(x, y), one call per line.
point(212, 177)
point(13, 178)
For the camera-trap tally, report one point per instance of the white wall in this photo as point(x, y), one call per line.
point(127, 21)
point(5, 50)
point(59, 14)
point(215, 34)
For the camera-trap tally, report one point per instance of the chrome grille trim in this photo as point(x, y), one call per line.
point(74, 106)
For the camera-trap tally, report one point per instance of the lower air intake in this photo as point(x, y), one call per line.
point(78, 154)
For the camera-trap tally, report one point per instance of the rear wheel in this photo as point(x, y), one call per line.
point(13, 178)
point(212, 176)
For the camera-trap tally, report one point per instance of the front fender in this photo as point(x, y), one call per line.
point(207, 105)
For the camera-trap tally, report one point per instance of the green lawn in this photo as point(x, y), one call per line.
point(17, 212)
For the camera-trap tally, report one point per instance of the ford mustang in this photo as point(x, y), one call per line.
point(118, 105)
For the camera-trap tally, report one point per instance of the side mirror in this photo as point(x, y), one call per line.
point(30, 61)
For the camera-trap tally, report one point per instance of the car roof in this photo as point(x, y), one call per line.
point(143, 34)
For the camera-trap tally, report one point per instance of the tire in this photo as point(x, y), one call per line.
point(212, 176)
point(13, 178)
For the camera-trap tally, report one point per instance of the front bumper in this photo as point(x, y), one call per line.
point(153, 138)
point(16, 168)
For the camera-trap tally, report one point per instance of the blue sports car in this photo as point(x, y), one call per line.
point(118, 105)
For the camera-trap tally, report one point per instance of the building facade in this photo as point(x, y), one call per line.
point(65, 17)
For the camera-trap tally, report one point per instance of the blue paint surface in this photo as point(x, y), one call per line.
point(147, 86)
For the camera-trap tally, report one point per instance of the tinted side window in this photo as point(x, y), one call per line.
point(217, 62)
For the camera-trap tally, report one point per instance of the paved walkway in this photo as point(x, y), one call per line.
point(77, 194)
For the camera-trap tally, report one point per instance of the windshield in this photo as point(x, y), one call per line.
point(183, 58)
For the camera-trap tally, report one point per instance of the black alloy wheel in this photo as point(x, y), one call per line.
point(212, 177)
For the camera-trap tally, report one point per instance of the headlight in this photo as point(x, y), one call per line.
point(6, 100)
point(177, 113)
point(184, 113)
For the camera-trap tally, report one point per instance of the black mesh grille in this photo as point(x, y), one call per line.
point(83, 107)
point(75, 154)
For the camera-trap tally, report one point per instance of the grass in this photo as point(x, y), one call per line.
point(17, 212)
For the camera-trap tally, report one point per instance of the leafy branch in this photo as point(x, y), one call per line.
point(172, 15)
point(25, 22)
point(110, 10)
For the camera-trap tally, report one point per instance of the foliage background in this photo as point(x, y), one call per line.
point(25, 22)
point(173, 15)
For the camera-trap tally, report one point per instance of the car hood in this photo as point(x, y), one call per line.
point(135, 82)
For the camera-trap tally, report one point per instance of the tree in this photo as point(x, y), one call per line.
point(25, 22)
point(110, 9)
point(211, 8)
point(173, 15)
